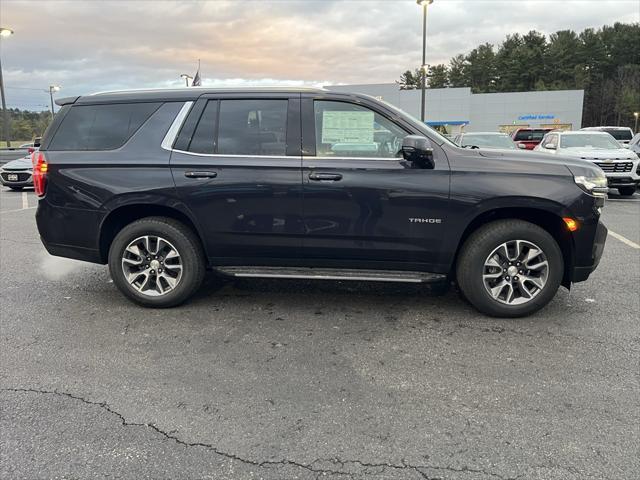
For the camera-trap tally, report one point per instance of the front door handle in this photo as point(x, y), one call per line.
point(200, 174)
point(319, 176)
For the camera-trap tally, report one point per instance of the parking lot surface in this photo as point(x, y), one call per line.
point(288, 379)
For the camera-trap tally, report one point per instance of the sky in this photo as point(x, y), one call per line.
point(91, 45)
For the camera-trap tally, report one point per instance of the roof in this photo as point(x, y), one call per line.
point(176, 94)
point(608, 128)
point(581, 132)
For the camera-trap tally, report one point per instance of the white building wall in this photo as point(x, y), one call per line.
point(485, 111)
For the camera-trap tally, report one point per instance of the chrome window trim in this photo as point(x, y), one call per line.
point(172, 133)
point(233, 155)
point(386, 159)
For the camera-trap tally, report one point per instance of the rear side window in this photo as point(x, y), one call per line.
point(621, 134)
point(101, 127)
point(252, 127)
point(203, 140)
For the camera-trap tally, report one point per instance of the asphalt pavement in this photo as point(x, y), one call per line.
point(280, 379)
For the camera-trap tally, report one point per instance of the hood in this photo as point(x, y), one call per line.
point(595, 154)
point(541, 161)
point(20, 163)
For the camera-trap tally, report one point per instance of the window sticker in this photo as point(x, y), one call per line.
point(347, 127)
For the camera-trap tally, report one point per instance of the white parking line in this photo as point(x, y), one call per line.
point(17, 210)
point(25, 200)
point(624, 240)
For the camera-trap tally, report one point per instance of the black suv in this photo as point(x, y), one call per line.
point(306, 183)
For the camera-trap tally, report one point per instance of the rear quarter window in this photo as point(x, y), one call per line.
point(100, 127)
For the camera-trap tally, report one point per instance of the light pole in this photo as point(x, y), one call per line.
point(53, 88)
point(424, 4)
point(4, 32)
point(186, 78)
point(635, 128)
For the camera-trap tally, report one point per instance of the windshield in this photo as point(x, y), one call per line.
point(530, 135)
point(622, 134)
point(487, 141)
point(591, 140)
point(432, 132)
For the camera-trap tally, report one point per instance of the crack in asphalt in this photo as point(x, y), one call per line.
point(419, 469)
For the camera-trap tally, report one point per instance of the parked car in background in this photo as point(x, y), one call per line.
point(620, 165)
point(528, 138)
point(634, 144)
point(485, 140)
point(17, 174)
point(31, 147)
point(622, 134)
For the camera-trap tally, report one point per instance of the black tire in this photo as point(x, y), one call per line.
point(626, 191)
point(182, 238)
point(478, 247)
point(17, 189)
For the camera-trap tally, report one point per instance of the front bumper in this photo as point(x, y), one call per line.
point(581, 272)
point(24, 178)
point(622, 182)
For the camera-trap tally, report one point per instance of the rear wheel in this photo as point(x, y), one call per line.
point(156, 262)
point(626, 191)
point(510, 268)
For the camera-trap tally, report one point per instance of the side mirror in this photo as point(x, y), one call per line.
point(418, 150)
point(550, 146)
point(522, 146)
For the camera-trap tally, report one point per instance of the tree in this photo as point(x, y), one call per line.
point(481, 68)
point(410, 80)
point(605, 63)
point(438, 76)
point(459, 72)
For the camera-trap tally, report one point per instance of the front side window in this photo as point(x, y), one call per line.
point(551, 141)
point(348, 130)
point(252, 127)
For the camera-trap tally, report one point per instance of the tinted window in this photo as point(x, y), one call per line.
point(530, 135)
point(100, 127)
point(204, 135)
point(348, 130)
point(622, 134)
point(252, 127)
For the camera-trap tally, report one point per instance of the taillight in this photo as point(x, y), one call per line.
point(40, 168)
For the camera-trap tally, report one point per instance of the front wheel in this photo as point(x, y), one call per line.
point(626, 191)
point(510, 268)
point(156, 262)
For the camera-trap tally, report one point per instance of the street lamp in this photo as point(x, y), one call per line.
point(424, 4)
point(53, 88)
point(186, 78)
point(4, 33)
point(635, 128)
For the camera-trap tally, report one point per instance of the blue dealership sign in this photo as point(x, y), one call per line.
point(539, 116)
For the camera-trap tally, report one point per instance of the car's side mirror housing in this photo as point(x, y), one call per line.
point(418, 150)
point(522, 146)
point(551, 146)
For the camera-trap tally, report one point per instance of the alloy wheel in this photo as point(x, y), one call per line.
point(515, 272)
point(152, 265)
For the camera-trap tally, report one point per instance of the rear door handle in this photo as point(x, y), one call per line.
point(319, 176)
point(200, 174)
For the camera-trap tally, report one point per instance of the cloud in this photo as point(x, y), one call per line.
point(99, 45)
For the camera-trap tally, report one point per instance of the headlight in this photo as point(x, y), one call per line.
point(595, 185)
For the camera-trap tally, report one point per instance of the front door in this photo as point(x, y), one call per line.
point(364, 205)
point(237, 167)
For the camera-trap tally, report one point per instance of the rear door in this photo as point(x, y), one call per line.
point(364, 205)
point(237, 166)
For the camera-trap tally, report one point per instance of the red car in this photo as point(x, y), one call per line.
point(528, 138)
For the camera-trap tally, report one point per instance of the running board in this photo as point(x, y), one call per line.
point(333, 274)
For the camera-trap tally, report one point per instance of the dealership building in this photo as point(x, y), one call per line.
point(452, 110)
